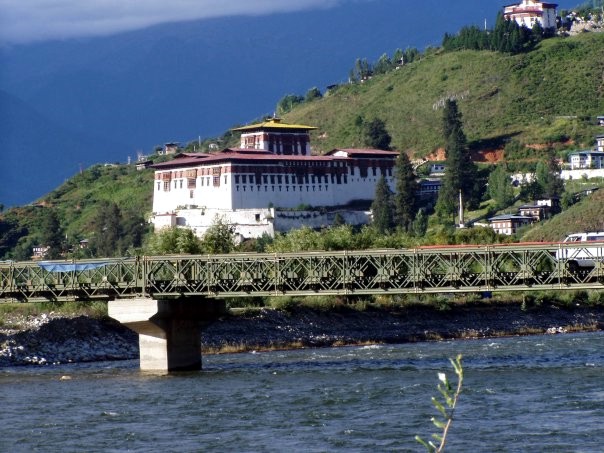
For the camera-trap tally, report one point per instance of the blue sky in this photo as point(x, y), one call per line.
point(23, 21)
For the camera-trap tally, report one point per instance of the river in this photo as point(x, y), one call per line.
point(537, 394)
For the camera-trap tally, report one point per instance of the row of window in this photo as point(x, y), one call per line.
point(280, 188)
point(192, 183)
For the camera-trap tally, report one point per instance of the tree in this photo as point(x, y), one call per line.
point(362, 69)
point(133, 228)
point(397, 57)
point(219, 237)
point(420, 223)
point(287, 103)
point(406, 189)
point(548, 176)
point(460, 173)
point(383, 65)
point(107, 230)
point(537, 32)
point(312, 94)
point(174, 240)
point(11, 232)
point(375, 134)
point(410, 55)
point(500, 187)
point(51, 234)
point(381, 207)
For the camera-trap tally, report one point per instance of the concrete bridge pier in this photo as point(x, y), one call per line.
point(169, 331)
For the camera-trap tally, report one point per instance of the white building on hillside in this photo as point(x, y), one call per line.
point(529, 12)
point(586, 159)
point(263, 186)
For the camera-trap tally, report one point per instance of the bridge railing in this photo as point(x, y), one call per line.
point(419, 270)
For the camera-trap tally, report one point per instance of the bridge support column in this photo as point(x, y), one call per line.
point(169, 331)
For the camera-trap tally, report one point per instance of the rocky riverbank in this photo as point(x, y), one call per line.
point(51, 339)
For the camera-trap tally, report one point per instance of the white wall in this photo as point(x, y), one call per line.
point(579, 174)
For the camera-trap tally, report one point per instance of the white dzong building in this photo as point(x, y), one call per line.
point(529, 12)
point(269, 183)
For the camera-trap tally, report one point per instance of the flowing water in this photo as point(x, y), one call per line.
point(537, 394)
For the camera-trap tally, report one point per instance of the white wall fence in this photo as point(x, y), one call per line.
point(519, 178)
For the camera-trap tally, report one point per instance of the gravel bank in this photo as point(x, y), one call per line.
point(50, 339)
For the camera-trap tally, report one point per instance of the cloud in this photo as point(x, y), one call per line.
point(24, 21)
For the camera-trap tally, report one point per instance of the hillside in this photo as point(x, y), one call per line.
point(77, 203)
point(548, 95)
point(587, 215)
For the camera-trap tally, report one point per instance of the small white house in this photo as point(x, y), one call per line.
point(529, 12)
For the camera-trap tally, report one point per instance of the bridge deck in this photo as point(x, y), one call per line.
point(421, 270)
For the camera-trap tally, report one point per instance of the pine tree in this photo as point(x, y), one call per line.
point(548, 176)
point(420, 224)
point(381, 207)
point(51, 234)
point(460, 172)
point(405, 205)
point(376, 135)
point(107, 230)
point(500, 187)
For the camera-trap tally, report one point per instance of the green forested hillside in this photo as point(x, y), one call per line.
point(82, 206)
point(547, 95)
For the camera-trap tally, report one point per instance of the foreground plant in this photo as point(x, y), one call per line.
point(446, 408)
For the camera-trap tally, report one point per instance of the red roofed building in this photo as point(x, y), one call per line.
point(529, 12)
point(258, 187)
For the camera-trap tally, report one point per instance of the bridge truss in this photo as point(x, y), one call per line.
point(446, 269)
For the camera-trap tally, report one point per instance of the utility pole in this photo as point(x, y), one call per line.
point(461, 224)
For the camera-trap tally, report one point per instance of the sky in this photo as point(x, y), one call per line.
point(23, 21)
point(26, 21)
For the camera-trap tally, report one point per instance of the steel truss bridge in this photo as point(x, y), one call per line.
point(445, 269)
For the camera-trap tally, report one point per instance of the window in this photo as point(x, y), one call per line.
point(192, 183)
point(191, 193)
point(166, 186)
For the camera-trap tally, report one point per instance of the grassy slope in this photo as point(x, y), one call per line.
point(505, 96)
point(77, 199)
